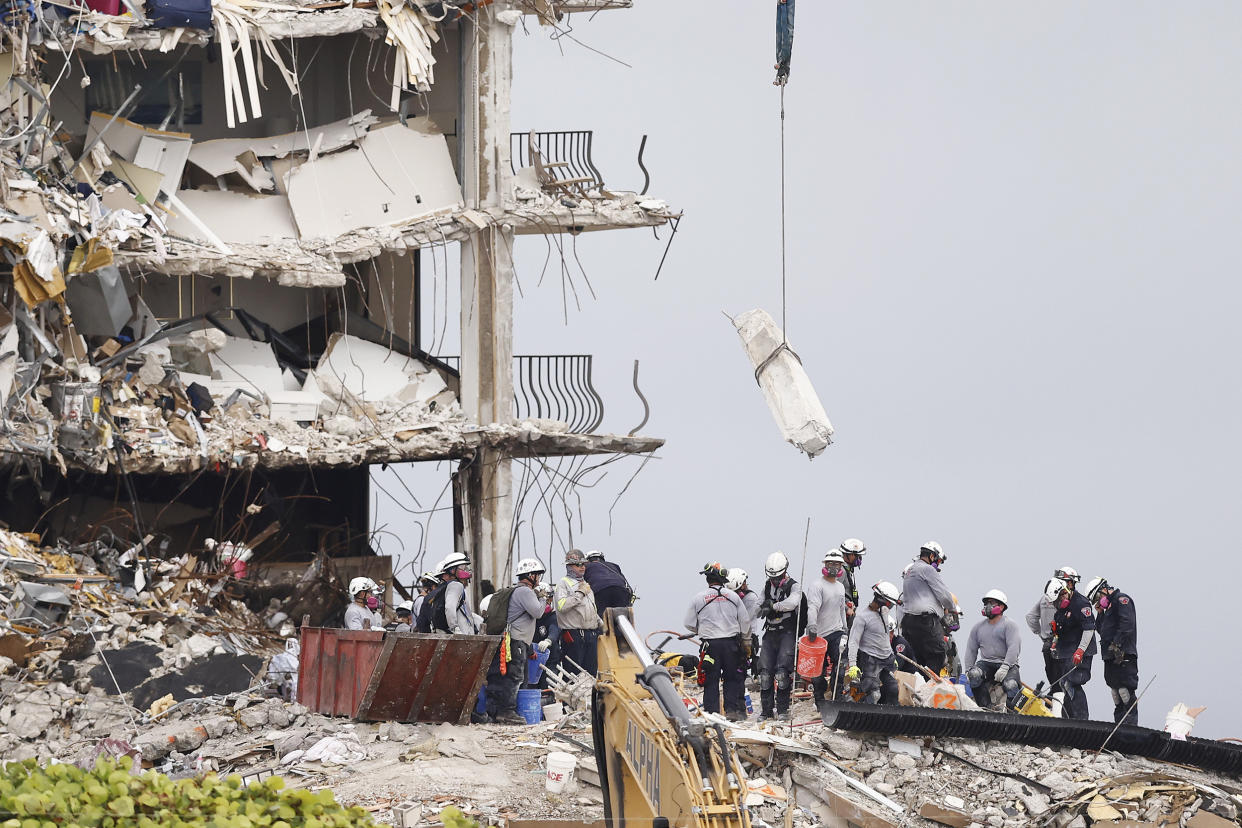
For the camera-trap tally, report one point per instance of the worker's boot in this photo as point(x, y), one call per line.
point(510, 717)
point(786, 716)
point(480, 718)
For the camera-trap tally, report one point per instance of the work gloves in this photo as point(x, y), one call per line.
point(584, 587)
point(810, 633)
point(1078, 654)
point(1001, 672)
point(544, 646)
point(853, 673)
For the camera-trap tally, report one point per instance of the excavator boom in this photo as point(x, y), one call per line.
point(659, 763)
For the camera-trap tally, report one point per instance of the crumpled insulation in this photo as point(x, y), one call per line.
point(787, 388)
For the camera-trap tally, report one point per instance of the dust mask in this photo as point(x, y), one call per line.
point(993, 611)
point(372, 602)
point(1103, 602)
point(831, 572)
point(1063, 603)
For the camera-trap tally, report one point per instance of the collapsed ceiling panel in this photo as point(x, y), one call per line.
point(397, 174)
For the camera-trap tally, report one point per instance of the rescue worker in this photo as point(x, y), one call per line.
point(870, 649)
point(739, 583)
point(852, 551)
point(825, 616)
point(1117, 624)
point(508, 669)
point(1039, 621)
point(993, 650)
point(607, 582)
point(452, 613)
point(427, 582)
point(926, 600)
point(1073, 644)
point(782, 601)
point(576, 614)
point(404, 611)
point(718, 617)
point(547, 630)
point(952, 622)
point(361, 614)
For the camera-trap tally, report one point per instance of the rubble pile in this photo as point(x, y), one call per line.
point(821, 774)
point(97, 642)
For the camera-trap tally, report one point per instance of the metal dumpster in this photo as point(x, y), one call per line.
point(378, 676)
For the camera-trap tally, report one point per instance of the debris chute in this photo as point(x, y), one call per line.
point(787, 388)
point(784, 39)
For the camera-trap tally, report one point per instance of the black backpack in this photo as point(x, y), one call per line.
point(431, 613)
point(498, 611)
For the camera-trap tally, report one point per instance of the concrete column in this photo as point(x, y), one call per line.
point(487, 288)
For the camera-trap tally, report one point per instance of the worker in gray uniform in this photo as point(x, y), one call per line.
point(719, 618)
point(361, 613)
point(1073, 645)
point(870, 648)
point(925, 601)
point(523, 612)
point(826, 617)
point(993, 650)
point(782, 601)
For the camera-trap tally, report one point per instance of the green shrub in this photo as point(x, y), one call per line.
point(63, 796)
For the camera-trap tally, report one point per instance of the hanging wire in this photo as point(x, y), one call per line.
point(784, 323)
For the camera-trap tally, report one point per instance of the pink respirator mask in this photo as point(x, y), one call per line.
point(831, 572)
point(1063, 603)
point(463, 574)
point(372, 602)
point(1103, 602)
point(993, 611)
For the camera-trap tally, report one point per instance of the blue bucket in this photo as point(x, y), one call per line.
point(530, 706)
point(534, 667)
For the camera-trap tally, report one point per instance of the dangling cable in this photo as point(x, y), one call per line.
point(784, 325)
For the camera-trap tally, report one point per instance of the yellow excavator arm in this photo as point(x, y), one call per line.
point(659, 764)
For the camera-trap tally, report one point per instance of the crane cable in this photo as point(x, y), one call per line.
point(784, 326)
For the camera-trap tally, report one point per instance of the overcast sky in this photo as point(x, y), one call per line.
point(1013, 257)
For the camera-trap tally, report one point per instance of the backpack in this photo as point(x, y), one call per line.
point(498, 611)
point(431, 613)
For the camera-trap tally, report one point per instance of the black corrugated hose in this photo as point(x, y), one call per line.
point(1208, 754)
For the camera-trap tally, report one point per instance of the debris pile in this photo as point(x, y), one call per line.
point(99, 641)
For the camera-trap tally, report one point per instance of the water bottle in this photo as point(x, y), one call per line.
point(750, 707)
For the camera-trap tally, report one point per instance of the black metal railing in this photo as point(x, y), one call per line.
point(561, 158)
point(553, 387)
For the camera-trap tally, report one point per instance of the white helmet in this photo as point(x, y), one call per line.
point(852, 546)
point(996, 595)
point(408, 606)
point(890, 623)
point(1052, 589)
point(453, 561)
point(834, 556)
point(776, 565)
point(487, 600)
point(1093, 588)
point(886, 593)
point(1068, 573)
point(935, 550)
point(737, 577)
point(594, 555)
point(361, 584)
point(526, 566)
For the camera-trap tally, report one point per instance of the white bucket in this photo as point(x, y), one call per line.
point(553, 712)
point(560, 767)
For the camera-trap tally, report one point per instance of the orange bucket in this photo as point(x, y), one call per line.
point(811, 657)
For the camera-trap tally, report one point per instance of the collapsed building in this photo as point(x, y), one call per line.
point(212, 295)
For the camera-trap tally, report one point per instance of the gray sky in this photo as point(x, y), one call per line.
point(1012, 277)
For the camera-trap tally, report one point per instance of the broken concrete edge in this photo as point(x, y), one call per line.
point(294, 263)
point(439, 443)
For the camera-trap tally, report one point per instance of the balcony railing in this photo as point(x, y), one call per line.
point(554, 387)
